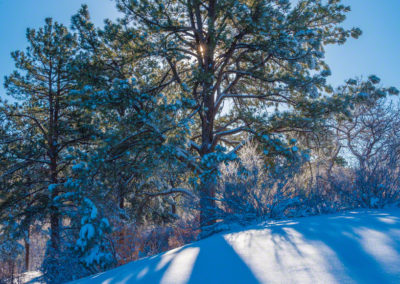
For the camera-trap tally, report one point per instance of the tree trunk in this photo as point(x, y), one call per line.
point(207, 203)
point(12, 265)
point(208, 209)
point(54, 212)
point(55, 228)
point(27, 249)
point(208, 183)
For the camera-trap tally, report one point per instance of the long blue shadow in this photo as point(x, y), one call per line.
point(217, 261)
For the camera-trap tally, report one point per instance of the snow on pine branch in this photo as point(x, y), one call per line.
point(172, 191)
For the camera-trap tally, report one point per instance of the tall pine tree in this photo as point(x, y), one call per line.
point(247, 68)
point(43, 125)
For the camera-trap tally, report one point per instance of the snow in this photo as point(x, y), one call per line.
point(28, 277)
point(354, 247)
point(51, 187)
point(87, 232)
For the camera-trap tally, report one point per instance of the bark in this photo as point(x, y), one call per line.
point(54, 226)
point(207, 203)
point(208, 184)
point(121, 204)
point(27, 249)
point(54, 108)
point(54, 210)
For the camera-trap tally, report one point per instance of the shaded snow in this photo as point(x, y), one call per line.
point(354, 247)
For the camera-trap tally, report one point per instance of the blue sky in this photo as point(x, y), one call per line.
point(17, 15)
point(376, 52)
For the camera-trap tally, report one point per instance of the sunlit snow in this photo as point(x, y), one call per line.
point(354, 247)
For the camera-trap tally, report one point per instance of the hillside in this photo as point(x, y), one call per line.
point(354, 247)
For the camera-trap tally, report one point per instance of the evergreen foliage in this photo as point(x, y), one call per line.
point(201, 112)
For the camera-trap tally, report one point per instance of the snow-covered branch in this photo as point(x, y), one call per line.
point(172, 191)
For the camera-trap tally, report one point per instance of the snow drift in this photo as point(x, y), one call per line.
point(353, 247)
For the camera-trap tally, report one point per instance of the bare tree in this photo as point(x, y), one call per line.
point(372, 140)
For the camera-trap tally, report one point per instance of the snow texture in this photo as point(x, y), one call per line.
point(31, 277)
point(355, 247)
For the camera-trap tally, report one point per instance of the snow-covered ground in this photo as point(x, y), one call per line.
point(353, 247)
point(27, 277)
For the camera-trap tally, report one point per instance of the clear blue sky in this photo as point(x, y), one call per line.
point(17, 15)
point(377, 51)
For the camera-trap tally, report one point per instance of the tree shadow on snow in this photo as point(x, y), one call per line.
point(347, 248)
point(211, 260)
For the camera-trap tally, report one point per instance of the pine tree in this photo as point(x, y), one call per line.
point(140, 124)
point(43, 126)
point(262, 60)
